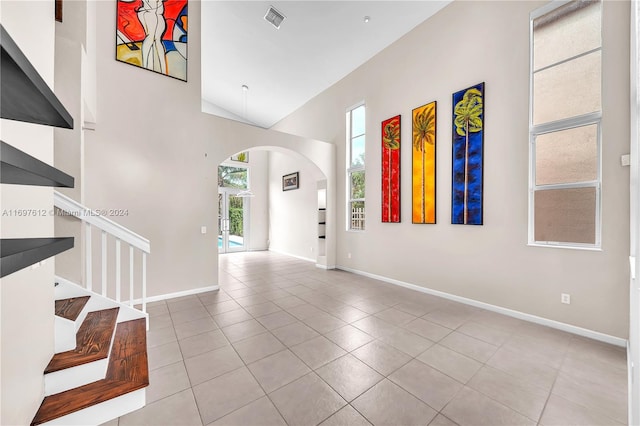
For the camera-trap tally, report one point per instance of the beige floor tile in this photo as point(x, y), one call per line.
point(289, 302)
point(243, 330)
point(228, 318)
point(294, 333)
point(347, 314)
point(222, 307)
point(375, 326)
point(162, 355)
point(157, 308)
point(469, 346)
point(179, 409)
point(276, 320)
point(260, 412)
point(383, 358)
point(610, 401)
point(224, 394)
point(549, 351)
point(212, 364)
point(451, 363)
point(262, 309)
point(189, 315)
point(307, 401)
point(250, 300)
point(257, 347)
point(369, 306)
point(408, 342)
point(202, 343)
point(347, 416)
point(562, 412)
point(324, 323)
point(426, 383)
point(305, 311)
point(441, 420)
point(470, 407)
point(166, 381)
point(388, 404)
point(485, 333)
point(189, 303)
point(193, 328)
point(278, 370)
point(517, 394)
point(160, 321)
point(349, 376)
point(349, 337)
point(526, 367)
point(416, 309)
point(395, 316)
point(427, 329)
point(448, 318)
point(161, 336)
point(240, 292)
point(317, 351)
point(211, 297)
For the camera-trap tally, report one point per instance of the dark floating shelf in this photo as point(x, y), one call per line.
point(322, 223)
point(18, 253)
point(322, 237)
point(19, 168)
point(321, 209)
point(25, 95)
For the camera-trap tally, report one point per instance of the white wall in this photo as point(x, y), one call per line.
point(27, 295)
point(155, 153)
point(464, 44)
point(293, 215)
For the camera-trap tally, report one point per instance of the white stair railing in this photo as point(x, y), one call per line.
point(93, 219)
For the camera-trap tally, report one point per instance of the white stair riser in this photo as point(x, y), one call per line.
point(104, 412)
point(69, 378)
point(65, 332)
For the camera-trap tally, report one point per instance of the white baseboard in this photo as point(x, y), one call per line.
point(275, 250)
point(595, 335)
point(325, 266)
point(176, 294)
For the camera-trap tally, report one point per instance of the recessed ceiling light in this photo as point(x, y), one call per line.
point(274, 17)
point(367, 19)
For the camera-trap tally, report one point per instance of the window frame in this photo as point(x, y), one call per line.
point(350, 169)
point(593, 118)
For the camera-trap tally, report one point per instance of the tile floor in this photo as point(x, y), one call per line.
point(285, 343)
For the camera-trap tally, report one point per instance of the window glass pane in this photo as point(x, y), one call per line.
point(357, 151)
point(357, 184)
point(567, 90)
point(356, 215)
point(357, 121)
point(566, 215)
point(566, 32)
point(567, 156)
point(232, 177)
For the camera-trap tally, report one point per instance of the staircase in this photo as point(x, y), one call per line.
point(104, 374)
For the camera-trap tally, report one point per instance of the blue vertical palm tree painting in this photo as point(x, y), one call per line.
point(468, 146)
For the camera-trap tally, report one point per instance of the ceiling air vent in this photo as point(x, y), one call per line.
point(274, 17)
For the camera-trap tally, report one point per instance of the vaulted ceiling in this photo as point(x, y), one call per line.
point(318, 43)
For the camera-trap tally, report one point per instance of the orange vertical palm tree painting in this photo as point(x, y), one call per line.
point(424, 164)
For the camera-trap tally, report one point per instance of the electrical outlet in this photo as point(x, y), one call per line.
point(625, 160)
point(348, 255)
point(311, 249)
point(203, 229)
point(565, 298)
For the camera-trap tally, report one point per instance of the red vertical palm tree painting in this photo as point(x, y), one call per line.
point(391, 170)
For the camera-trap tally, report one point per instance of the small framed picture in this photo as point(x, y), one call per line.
point(290, 181)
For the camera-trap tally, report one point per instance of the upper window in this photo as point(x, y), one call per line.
point(355, 168)
point(565, 115)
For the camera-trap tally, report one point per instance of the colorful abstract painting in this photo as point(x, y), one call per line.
point(391, 170)
point(468, 146)
point(424, 164)
point(152, 34)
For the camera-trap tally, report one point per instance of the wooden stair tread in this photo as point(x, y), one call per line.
point(92, 341)
point(128, 371)
point(71, 308)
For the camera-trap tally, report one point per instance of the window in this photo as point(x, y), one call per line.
point(355, 168)
point(564, 124)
